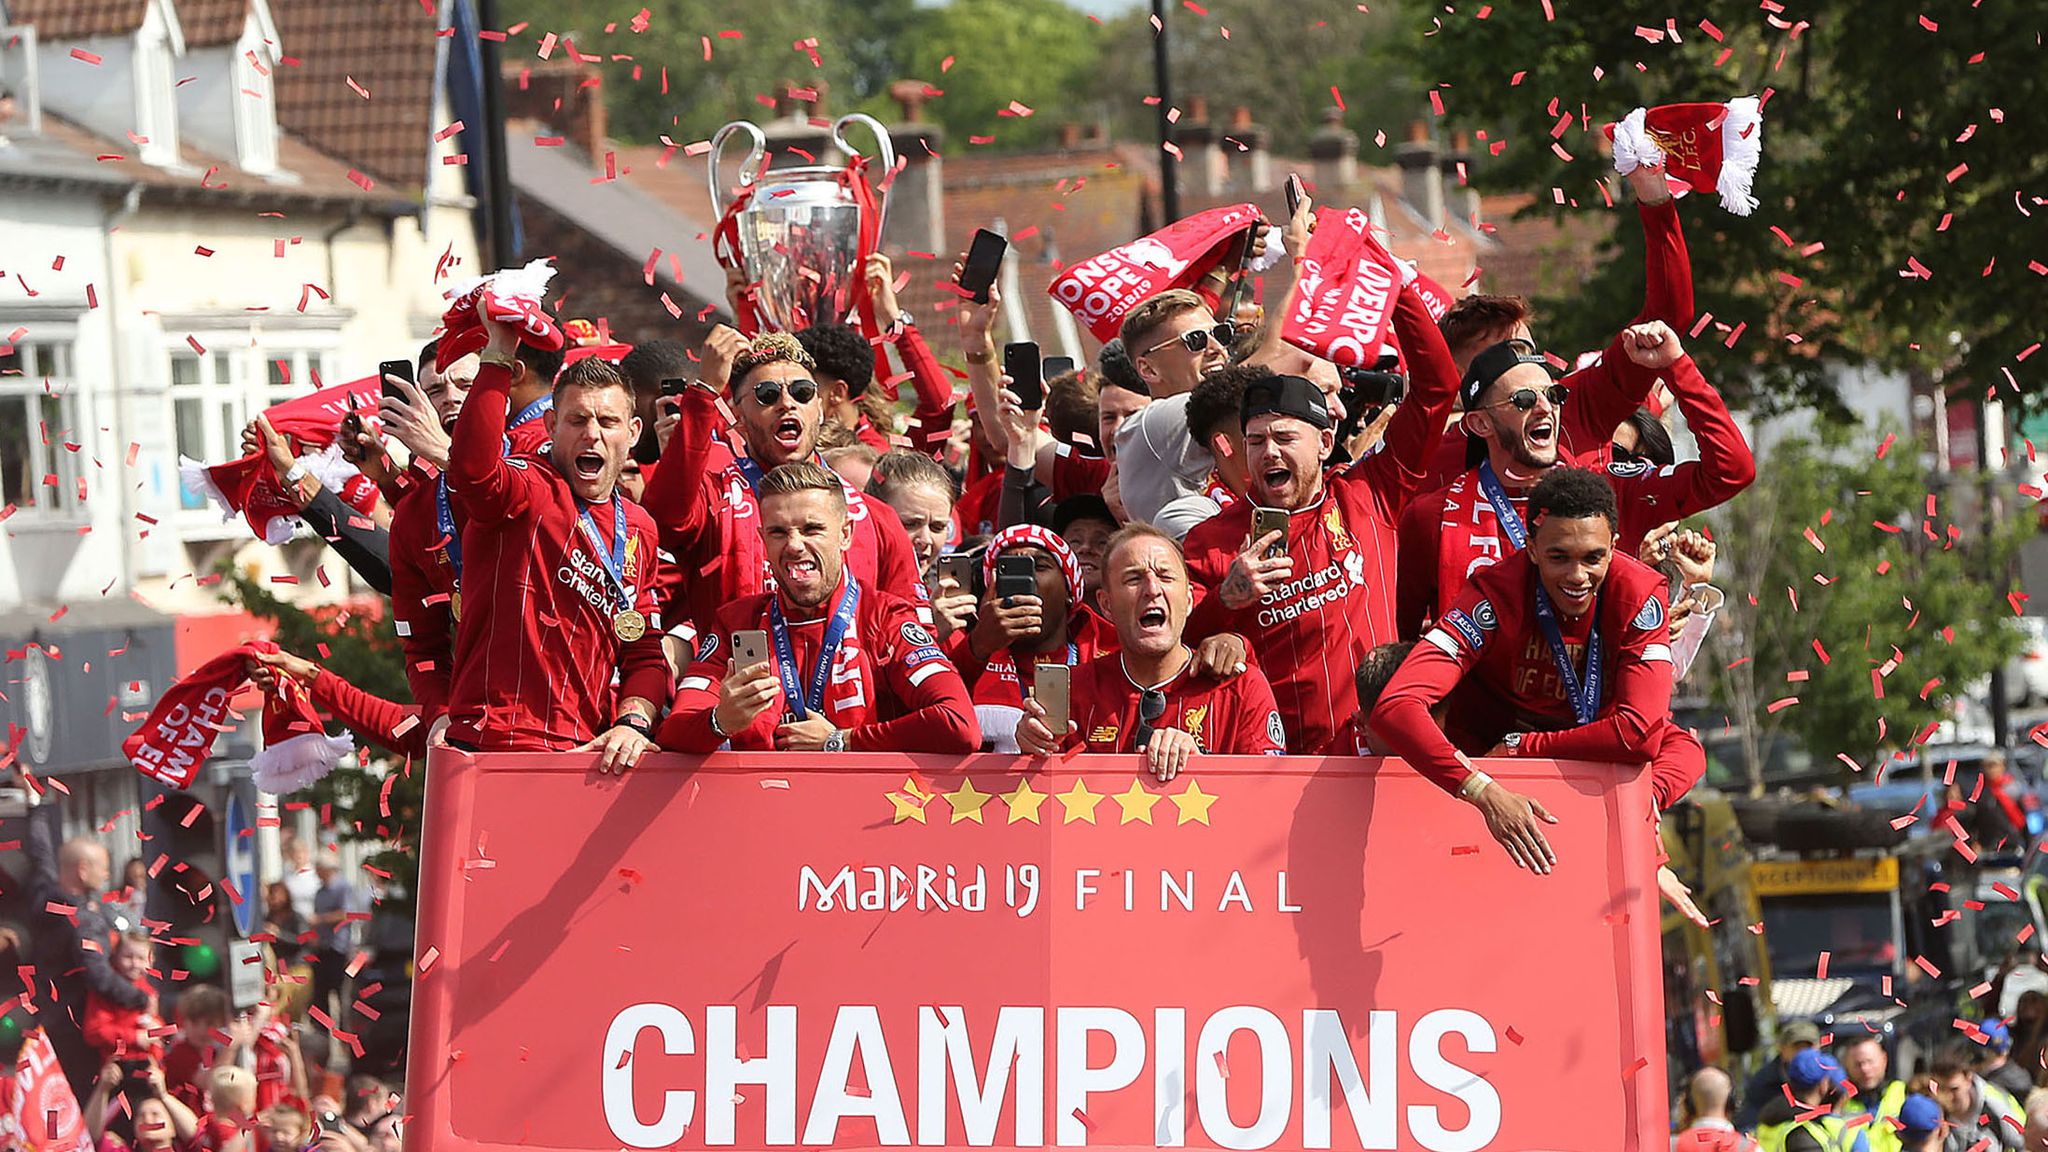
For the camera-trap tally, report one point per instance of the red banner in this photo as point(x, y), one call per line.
point(1102, 290)
point(1344, 297)
point(755, 951)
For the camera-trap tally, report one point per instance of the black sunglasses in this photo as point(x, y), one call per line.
point(1525, 398)
point(768, 393)
point(1197, 339)
point(1151, 706)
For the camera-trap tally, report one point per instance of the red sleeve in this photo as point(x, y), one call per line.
point(931, 426)
point(424, 629)
point(643, 666)
point(1607, 392)
point(385, 722)
point(1667, 267)
point(1415, 559)
point(688, 726)
point(1679, 763)
point(936, 714)
point(1259, 732)
point(675, 495)
point(478, 477)
point(1402, 718)
point(102, 1026)
point(1642, 696)
point(1397, 471)
point(1074, 474)
point(1725, 467)
point(958, 651)
point(1208, 564)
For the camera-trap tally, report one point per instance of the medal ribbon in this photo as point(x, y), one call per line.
point(613, 558)
point(1584, 696)
point(804, 703)
point(1503, 508)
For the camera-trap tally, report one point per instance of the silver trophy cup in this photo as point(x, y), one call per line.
point(799, 237)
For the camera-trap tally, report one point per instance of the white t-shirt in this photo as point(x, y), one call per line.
point(1157, 459)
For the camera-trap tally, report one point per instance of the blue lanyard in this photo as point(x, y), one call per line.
point(751, 469)
point(614, 558)
point(1503, 508)
point(444, 522)
point(1584, 696)
point(530, 412)
point(800, 702)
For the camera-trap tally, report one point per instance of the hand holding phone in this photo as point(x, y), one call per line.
point(1022, 365)
point(984, 260)
point(749, 648)
point(1053, 689)
point(402, 369)
point(1016, 576)
point(1296, 193)
point(1269, 520)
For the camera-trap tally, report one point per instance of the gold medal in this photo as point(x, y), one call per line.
point(629, 625)
point(455, 605)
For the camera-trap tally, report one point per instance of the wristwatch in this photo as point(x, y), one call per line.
point(637, 723)
point(718, 729)
point(835, 740)
point(1512, 743)
point(975, 356)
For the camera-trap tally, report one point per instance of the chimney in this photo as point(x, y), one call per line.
point(1070, 136)
point(1461, 199)
point(1422, 182)
point(1258, 167)
point(797, 137)
point(1334, 148)
point(561, 94)
point(916, 219)
point(1207, 169)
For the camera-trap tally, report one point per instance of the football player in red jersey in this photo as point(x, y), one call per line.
point(1561, 651)
point(1149, 697)
point(849, 669)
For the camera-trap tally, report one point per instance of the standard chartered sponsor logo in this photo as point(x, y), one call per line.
point(1323, 586)
point(583, 577)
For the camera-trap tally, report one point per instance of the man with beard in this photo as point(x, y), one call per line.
point(1315, 598)
point(1148, 696)
point(1562, 651)
point(705, 514)
point(1514, 408)
point(850, 670)
point(558, 591)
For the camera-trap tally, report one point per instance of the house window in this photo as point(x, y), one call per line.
point(255, 115)
point(156, 100)
point(206, 412)
point(39, 467)
point(293, 372)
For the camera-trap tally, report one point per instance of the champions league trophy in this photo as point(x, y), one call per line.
point(801, 235)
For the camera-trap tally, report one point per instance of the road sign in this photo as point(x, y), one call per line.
point(238, 851)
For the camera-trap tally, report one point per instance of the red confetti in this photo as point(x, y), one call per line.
point(89, 57)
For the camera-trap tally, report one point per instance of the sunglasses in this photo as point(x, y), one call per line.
point(1524, 399)
point(768, 393)
point(1151, 706)
point(1197, 339)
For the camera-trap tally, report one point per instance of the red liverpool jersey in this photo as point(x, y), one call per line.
point(995, 685)
point(1234, 717)
point(890, 688)
point(1310, 633)
point(536, 655)
point(1489, 656)
point(710, 523)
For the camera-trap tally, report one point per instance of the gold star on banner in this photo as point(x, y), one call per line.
point(967, 801)
point(1193, 804)
point(1079, 802)
point(909, 801)
point(1024, 802)
point(1136, 803)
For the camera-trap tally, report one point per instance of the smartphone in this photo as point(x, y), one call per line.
point(749, 648)
point(961, 568)
point(1016, 576)
point(1023, 366)
point(401, 369)
point(984, 260)
point(1053, 689)
point(1296, 193)
point(674, 386)
point(1265, 520)
point(1056, 366)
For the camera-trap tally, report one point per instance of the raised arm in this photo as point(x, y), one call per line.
point(1397, 471)
point(1403, 720)
point(931, 425)
point(486, 487)
point(384, 722)
point(1726, 465)
point(420, 613)
point(676, 496)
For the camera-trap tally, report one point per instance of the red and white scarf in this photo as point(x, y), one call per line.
point(310, 424)
point(178, 736)
point(1101, 291)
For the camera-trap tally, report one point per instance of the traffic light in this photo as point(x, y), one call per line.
point(184, 858)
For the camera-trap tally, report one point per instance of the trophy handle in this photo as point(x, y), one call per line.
point(885, 151)
point(750, 168)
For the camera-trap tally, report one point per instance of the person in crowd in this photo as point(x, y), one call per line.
point(707, 517)
point(921, 492)
point(850, 667)
point(1996, 810)
point(202, 1038)
point(1995, 1062)
point(356, 521)
point(1355, 737)
point(70, 937)
point(284, 1127)
point(1561, 651)
point(561, 571)
point(1703, 1121)
point(1815, 1080)
point(2030, 1021)
point(1148, 696)
point(2037, 1121)
point(231, 1104)
point(1174, 341)
point(1315, 596)
point(1086, 523)
point(133, 901)
point(282, 921)
point(1513, 408)
point(114, 1031)
point(1980, 1115)
point(1215, 423)
point(646, 368)
point(1920, 1127)
point(845, 366)
point(1013, 635)
point(1877, 1092)
point(299, 877)
point(144, 1108)
point(336, 908)
point(854, 463)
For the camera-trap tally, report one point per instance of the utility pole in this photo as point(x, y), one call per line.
point(497, 177)
point(1989, 521)
point(1162, 72)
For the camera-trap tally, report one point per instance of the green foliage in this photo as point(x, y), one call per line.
point(1039, 53)
point(1894, 584)
point(361, 647)
point(1869, 119)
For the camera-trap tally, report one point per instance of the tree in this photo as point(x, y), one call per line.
point(986, 55)
point(377, 799)
point(1898, 226)
point(1858, 612)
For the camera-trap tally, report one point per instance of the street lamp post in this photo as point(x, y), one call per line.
point(1162, 71)
point(497, 176)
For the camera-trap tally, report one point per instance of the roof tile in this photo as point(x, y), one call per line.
point(388, 48)
point(78, 19)
point(212, 23)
